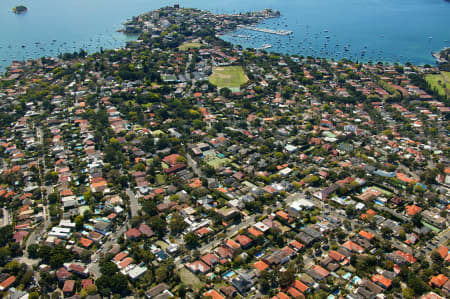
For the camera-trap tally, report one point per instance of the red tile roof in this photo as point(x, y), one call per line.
point(120, 256)
point(321, 271)
point(214, 294)
point(336, 256)
point(352, 246)
point(300, 286)
point(294, 293)
point(243, 240)
point(133, 233)
point(85, 283)
point(381, 280)
point(409, 257)
point(412, 210)
point(296, 244)
point(7, 283)
point(438, 280)
point(261, 266)
point(366, 235)
point(85, 242)
point(68, 286)
point(255, 232)
point(125, 262)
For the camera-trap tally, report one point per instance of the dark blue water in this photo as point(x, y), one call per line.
point(377, 30)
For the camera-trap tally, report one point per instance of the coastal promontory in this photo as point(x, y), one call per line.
point(19, 9)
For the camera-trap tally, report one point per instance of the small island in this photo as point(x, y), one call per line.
point(20, 9)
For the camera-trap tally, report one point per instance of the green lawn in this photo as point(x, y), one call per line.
point(218, 162)
point(188, 46)
point(162, 244)
point(438, 82)
point(160, 179)
point(228, 76)
point(188, 278)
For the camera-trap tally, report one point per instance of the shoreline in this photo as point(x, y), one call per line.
point(249, 26)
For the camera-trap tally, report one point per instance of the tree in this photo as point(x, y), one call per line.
point(417, 220)
point(225, 92)
point(350, 211)
point(191, 240)
point(108, 268)
point(51, 177)
point(286, 278)
point(117, 284)
point(161, 274)
point(149, 207)
point(436, 257)
point(177, 224)
point(79, 220)
point(386, 231)
point(33, 251)
point(52, 198)
point(33, 295)
point(158, 225)
point(6, 233)
point(4, 255)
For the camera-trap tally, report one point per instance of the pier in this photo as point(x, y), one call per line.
point(265, 30)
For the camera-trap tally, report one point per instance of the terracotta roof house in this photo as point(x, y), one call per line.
point(85, 283)
point(5, 284)
point(69, 287)
point(198, 267)
point(281, 295)
point(352, 246)
point(438, 281)
point(213, 294)
point(321, 271)
point(210, 259)
point(337, 256)
point(260, 266)
point(233, 245)
point(145, 230)
point(366, 235)
point(244, 241)
point(296, 245)
point(120, 256)
point(224, 252)
point(254, 232)
point(300, 286)
point(86, 243)
point(132, 233)
point(125, 262)
point(80, 270)
point(171, 159)
point(382, 281)
point(413, 210)
point(294, 293)
point(62, 274)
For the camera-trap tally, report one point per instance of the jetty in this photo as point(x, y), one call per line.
point(264, 47)
point(266, 30)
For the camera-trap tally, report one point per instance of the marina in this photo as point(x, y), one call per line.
point(266, 30)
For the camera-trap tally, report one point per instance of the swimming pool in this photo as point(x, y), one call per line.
point(228, 274)
point(347, 275)
point(379, 202)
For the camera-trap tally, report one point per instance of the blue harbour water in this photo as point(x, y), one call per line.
point(377, 30)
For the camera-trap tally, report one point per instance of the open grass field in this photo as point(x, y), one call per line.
point(189, 279)
point(228, 76)
point(188, 46)
point(441, 82)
